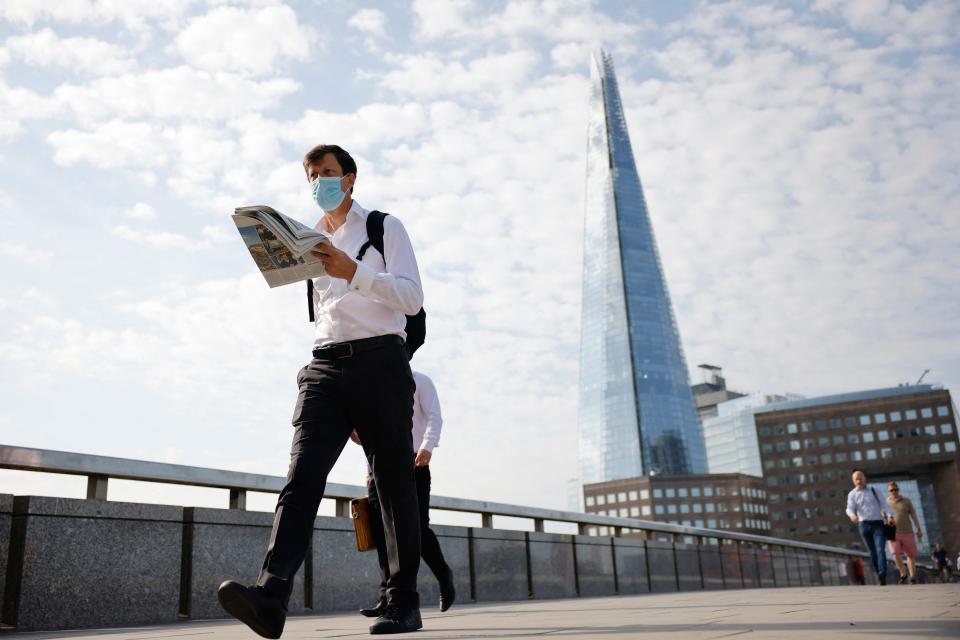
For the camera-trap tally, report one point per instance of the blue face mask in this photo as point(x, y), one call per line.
point(327, 192)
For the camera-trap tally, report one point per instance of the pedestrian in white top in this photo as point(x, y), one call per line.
point(866, 510)
point(359, 378)
point(427, 423)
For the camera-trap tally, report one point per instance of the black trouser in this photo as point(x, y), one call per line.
point(429, 546)
point(371, 392)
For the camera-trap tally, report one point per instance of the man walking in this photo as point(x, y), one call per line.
point(359, 378)
point(427, 423)
point(865, 509)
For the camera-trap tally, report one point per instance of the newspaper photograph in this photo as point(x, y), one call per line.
point(280, 246)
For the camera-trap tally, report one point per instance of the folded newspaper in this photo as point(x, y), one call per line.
point(280, 245)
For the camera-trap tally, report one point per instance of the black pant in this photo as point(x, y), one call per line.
point(371, 392)
point(429, 546)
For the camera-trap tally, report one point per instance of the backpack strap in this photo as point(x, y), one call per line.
point(374, 233)
point(310, 299)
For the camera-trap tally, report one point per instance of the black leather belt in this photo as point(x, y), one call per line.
point(352, 347)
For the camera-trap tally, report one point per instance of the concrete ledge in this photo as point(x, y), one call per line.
point(660, 563)
point(631, 558)
point(224, 544)
point(499, 565)
point(552, 565)
point(91, 563)
point(595, 566)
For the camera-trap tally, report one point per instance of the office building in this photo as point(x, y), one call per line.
point(712, 391)
point(808, 449)
point(731, 501)
point(731, 435)
point(637, 414)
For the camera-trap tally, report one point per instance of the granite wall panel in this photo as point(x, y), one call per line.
point(595, 566)
point(663, 573)
point(688, 567)
point(500, 565)
point(552, 569)
point(630, 555)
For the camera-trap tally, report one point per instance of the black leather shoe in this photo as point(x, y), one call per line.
point(397, 619)
point(376, 610)
point(253, 606)
point(883, 580)
point(448, 592)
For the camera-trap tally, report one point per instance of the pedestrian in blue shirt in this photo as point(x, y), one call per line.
point(869, 513)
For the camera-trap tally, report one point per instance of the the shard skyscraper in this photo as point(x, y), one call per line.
point(637, 413)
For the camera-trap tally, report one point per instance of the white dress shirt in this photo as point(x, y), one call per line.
point(427, 420)
point(382, 292)
point(863, 504)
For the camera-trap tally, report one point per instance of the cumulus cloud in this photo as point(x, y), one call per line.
point(369, 21)
point(89, 55)
point(244, 40)
point(141, 211)
point(23, 253)
point(133, 14)
point(158, 239)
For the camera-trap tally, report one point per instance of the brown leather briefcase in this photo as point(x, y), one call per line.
point(360, 511)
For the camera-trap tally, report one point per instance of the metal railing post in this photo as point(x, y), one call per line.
point(97, 487)
point(238, 499)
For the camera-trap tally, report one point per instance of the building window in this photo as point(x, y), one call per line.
point(901, 451)
point(792, 427)
point(644, 494)
point(898, 434)
point(917, 448)
point(926, 412)
point(868, 436)
point(856, 455)
point(624, 512)
point(895, 416)
point(611, 498)
point(670, 493)
point(942, 410)
point(601, 500)
point(840, 456)
point(871, 454)
point(837, 441)
point(633, 496)
point(883, 436)
point(879, 418)
point(682, 492)
point(634, 512)
point(911, 414)
point(915, 431)
point(721, 491)
point(946, 428)
point(853, 439)
point(850, 421)
point(710, 507)
point(711, 524)
point(697, 507)
point(671, 508)
point(934, 447)
point(645, 510)
point(781, 447)
point(823, 442)
point(657, 493)
point(809, 444)
point(826, 458)
point(797, 462)
point(684, 507)
point(622, 496)
point(949, 447)
point(589, 501)
point(835, 423)
point(695, 492)
point(778, 429)
point(886, 452)
point(763, 431)
point(930, 430)
point(766, 447)
point(658, 509)
point(708, 491)
point(821, 425)
point(864, 421)
point(795, 445)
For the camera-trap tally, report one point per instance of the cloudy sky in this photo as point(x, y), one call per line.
point(799, 159)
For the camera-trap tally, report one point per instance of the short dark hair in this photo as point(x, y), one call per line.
point(860, 470)
point(346, 161)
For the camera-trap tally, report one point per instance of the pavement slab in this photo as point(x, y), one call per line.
point(914, 611)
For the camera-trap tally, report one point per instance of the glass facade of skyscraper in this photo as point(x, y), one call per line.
point(637, 414)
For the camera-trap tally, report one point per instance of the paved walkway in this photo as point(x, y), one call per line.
point(824, 613)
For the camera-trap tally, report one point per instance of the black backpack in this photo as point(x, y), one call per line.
point(416, 328)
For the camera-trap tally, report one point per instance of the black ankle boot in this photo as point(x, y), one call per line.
point(257, 608)
point(376, 610)
point(397, 619)
point(448, 592)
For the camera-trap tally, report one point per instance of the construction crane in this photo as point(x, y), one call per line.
point(922, 376)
